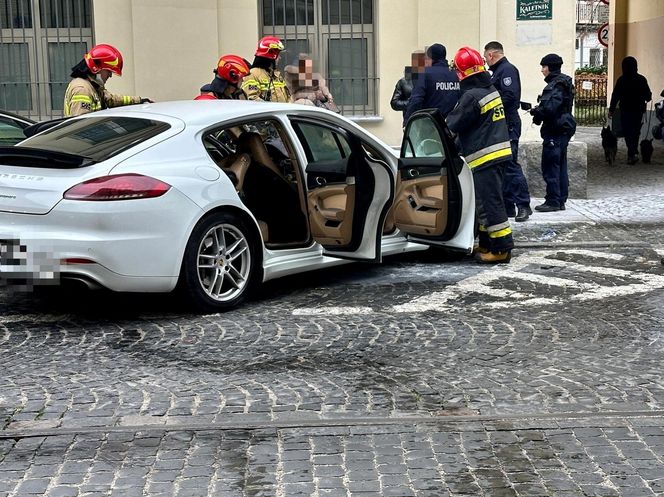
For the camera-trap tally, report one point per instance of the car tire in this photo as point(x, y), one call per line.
point(221, 264)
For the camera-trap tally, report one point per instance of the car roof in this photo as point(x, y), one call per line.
point(204, 112)
point(17, 117)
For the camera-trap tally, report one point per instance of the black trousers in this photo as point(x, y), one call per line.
point(495, 230)
point(631, 125)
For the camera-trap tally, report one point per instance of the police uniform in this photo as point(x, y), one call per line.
point(479, 120)
point(259, 84)
point(505, 77)
point(437, 87)
point(84, 95)
point(554, 113)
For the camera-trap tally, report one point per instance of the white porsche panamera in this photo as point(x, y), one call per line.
point(215, 197)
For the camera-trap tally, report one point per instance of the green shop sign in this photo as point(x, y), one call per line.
point(534, 10)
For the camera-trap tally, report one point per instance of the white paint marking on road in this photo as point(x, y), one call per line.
point(34, 318)
point(333, 311)
point(595, 254)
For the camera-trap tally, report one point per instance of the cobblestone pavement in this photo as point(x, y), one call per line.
point(418, 377)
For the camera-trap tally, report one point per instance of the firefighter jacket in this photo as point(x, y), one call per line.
point(84, 95)
point(505, 77)
point(479, 120)
point(437, 87)
point(259, 84)
point(554, 111)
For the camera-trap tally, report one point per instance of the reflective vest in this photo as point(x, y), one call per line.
point(259, 85)
point(83, 96)
point(479, 120)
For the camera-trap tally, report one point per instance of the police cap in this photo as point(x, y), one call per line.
point(551, 59)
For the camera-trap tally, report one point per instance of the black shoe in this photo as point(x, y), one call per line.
point(632, 160)
point(523, 214)
point(510, 211)
point(562, 207)
point(547, 208)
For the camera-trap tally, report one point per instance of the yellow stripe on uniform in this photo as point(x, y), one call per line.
point(126, 100)
point(81, 98)
point(488, 157)
point(500, 233)
point(493, 103)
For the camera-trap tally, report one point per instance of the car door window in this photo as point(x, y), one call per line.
point(323, 144)
point(10, 132)
point(423, 140)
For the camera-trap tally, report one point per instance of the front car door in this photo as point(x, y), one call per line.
point(435, 199)
point(348, 191)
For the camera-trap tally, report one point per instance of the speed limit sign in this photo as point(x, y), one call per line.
point(603, 34)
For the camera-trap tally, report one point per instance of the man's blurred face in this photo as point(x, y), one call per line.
point(545, 71)
point(418, 62)
point(305, 71)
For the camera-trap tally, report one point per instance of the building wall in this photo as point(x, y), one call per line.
point(636, 30)
point(170, 47)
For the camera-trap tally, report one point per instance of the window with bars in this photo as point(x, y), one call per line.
point(339, 37)
point(40, 41)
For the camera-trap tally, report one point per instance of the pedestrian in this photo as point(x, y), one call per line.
point(307, 87)
point(554, 113)
point(264, 82)
point(87, 91)
point(479, 121)
point(630, 94)
point(229, 72)
point(438, 87)
point(505, 77)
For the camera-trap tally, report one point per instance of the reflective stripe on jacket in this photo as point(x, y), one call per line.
point(479, 120)
point(259, 85)
point(83, 96)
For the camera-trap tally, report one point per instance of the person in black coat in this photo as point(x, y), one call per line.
point(630, 94)
point(402, 91)
point(438, 87)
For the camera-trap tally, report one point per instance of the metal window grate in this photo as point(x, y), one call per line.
point(339, 37)
point(40, 41)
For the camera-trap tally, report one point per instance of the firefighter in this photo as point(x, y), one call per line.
point(554, 113)
point(438, 86)
point(505, 77)
point(87, 91)
point(264, 82)
point(479, 121)
point(229, 72)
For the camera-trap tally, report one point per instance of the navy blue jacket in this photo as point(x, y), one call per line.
point(554, 111)
point(439, 89)
point(506, 79)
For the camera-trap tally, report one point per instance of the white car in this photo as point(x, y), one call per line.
point(216, 197)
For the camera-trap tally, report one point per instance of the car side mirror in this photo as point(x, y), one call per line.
point(526, 105)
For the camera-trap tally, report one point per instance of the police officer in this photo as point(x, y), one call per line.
point(87, 92)
point(264, 82)
point(505, 77)
point(554, 113)
point(438, 87)
point(479, 121)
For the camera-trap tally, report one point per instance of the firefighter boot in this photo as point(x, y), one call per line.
point(494, 258)
point(477, 249)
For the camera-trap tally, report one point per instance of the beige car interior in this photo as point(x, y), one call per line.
point(331, 214)
point(421, 205)
point(267, 179)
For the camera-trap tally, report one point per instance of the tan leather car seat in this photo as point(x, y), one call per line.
point(251, 142)
point(238, 164)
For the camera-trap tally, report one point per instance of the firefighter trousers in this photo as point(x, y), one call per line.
point(495, 233)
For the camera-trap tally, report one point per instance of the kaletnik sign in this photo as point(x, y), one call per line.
point(534, 10)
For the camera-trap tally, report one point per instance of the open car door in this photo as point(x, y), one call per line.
point(435, 198)
point(348, 191)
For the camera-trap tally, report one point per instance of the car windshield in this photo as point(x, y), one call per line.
point(97, 138)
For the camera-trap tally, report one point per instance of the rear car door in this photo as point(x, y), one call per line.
point(435, 200)
point(348, 191)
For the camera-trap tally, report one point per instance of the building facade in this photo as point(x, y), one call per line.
point(361, 46)
point(592, 16)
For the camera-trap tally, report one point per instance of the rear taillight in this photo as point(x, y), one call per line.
point(118, 187)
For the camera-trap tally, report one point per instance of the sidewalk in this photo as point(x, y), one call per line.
point(623, 194)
